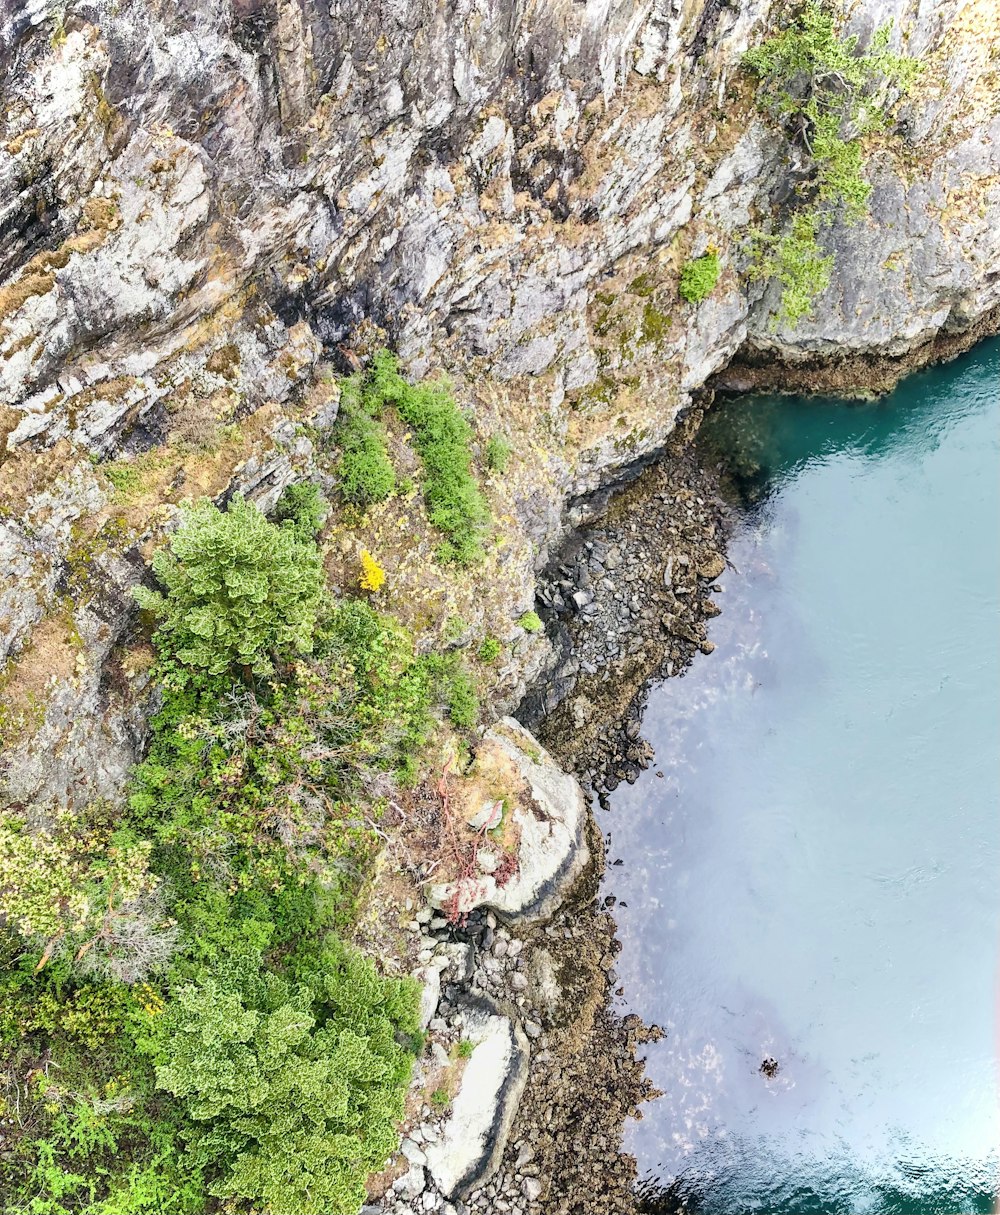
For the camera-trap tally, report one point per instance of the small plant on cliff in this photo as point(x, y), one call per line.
point(699, 276)
point(372, 574)
point(531, 622)
point(442, 436)
point(239, 591)
point(490, 650)
point(366, 473)
point(828, 97)
point(497, 453)
point(303, 508)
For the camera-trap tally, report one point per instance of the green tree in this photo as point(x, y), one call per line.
point(238, 590)
point(827, 95)
point(300, 1084)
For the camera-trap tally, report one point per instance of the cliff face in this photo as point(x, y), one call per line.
point(201, 202)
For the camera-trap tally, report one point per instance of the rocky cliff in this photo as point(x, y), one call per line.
point(208, 208)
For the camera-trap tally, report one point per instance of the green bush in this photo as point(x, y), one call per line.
point(490, 650)
point(442, 436)
point(497, 454)
point(366, 472)
point(699, 276)
point(300, 1084)
point(531, 622)
point(303, 508)
point(261, 1067)
point(239, 591)
point(828, 97)
point(461, 698)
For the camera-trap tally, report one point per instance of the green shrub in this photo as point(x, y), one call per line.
point(797, 262)
point(303, 508)
point(263, 1065)
point(300, 1084)
point(497, 454)
point(531, 622)
point(442, 436)
point(465, 1048)
point(699, 276)
point(461, 699)
point(366, 472)
point(239, 590)
point(454, 629)
point(490, 650)
point(828, 96)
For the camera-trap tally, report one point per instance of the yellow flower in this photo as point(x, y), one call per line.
point(372, 574)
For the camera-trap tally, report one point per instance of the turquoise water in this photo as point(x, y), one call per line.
point(811, 868)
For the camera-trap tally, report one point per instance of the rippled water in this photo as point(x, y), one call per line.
point(811, 868)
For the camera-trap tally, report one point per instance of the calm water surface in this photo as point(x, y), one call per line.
point(811, 868)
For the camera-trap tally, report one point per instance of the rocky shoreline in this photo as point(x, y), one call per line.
point(625, 600)
point(214, 211)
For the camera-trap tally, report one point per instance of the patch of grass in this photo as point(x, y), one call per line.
point(461, 698)
point(441, 1098)
point(465, 1049)
point(531, 622)
point(497, 453)
point(699, 276)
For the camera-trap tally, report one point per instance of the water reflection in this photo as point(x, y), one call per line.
point(810, 877)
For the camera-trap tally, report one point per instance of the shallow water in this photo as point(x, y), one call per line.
point(811, 868)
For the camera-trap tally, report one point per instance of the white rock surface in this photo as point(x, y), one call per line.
point(473, 1137)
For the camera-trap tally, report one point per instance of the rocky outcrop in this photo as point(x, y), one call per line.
point(474, 1135)
point(203, 204)
point(542, 817)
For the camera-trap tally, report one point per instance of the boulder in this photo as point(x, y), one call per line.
point(545, 832)
point(474, 1135)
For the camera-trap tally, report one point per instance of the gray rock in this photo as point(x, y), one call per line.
point(413, 1152)
point(474, 1134)
point(459, 959)
point(531, 1187)
point(412, 1183)
point(552, 850)
point(430, 994)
